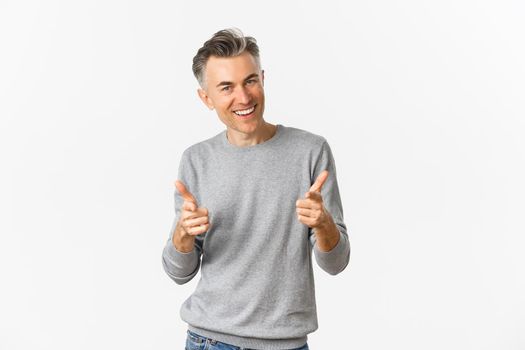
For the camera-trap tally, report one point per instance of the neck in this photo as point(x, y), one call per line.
point(262, 134)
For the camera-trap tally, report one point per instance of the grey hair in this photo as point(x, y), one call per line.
point(225, 43)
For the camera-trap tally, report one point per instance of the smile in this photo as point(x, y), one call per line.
point(245, 112)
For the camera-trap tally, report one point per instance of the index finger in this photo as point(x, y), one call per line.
point(318, 184)
point(184, 192)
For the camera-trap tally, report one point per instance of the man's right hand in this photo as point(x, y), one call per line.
point(193, 220)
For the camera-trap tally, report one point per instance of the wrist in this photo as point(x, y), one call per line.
point(183, 241)
point(327, 224)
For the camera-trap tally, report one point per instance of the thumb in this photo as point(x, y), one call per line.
point(184, 192)
point(318, 184)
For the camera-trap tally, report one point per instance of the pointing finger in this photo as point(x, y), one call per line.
point(318, 184)
point(184, 192)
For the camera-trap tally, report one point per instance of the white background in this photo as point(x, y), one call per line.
point(422, 103)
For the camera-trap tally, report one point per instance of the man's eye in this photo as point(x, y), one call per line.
point(250, 81)
point(226, 88)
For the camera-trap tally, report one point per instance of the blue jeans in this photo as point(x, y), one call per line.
point(195, 341)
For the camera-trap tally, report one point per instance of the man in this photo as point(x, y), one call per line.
point(252, 203)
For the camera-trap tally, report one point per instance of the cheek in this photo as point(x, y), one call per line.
point(260, 93)
point(257, 91)
point(223, 106)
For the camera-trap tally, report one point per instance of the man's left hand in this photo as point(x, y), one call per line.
point(311, 211)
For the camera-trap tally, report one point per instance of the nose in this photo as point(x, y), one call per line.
point(243, 96)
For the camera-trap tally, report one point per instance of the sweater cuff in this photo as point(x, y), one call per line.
point(336, 259)
point(180, 260)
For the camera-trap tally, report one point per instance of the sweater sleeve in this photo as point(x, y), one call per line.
point(179, 266)
point(335, 260)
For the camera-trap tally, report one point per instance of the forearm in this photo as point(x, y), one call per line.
point(182, 241)
point(327, 236)
point(181, 257)
point(331, 246)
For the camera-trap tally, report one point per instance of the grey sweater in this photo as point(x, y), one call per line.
point(256, 288)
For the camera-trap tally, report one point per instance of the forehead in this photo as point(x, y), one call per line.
point(230, 68)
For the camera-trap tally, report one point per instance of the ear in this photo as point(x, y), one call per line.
point(262, 76)
point(205, 98)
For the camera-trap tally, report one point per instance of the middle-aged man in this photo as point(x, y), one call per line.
point(252, 202)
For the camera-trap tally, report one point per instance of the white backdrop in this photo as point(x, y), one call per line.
point(422, 103)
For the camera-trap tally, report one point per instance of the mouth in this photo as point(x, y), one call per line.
point(245, 113)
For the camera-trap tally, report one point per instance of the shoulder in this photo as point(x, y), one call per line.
point(202, 148)
point(304, 138)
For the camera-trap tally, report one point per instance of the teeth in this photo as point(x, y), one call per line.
point(244, 112)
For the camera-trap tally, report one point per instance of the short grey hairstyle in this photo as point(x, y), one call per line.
point(225, 43)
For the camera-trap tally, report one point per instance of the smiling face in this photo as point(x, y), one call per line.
point(234, 88)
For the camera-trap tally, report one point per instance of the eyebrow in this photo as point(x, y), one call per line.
point(222, 83)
